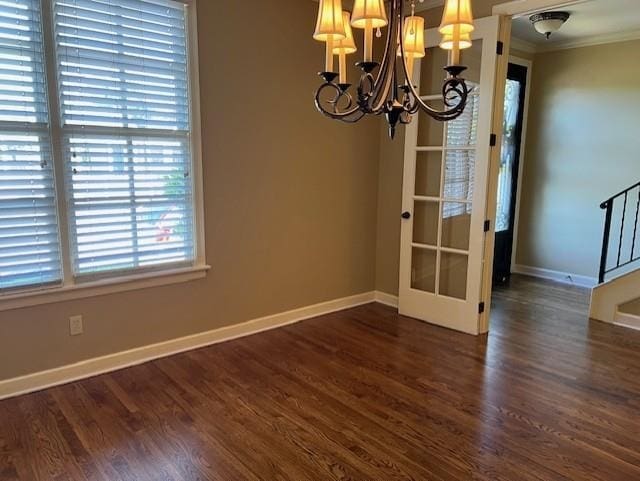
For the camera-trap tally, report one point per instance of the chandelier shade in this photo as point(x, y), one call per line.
point(457, 16)
point(346, 45)
point(330, 23)
point(369, 13)
point(414, 36)
point(448, 42)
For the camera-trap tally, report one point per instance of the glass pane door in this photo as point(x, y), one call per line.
point(444, 183)
point(444, 190)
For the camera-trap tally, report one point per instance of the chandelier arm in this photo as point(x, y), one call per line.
point(451, 85)
point(365, 94)
point(394, 70)
point(356, 118)
point(461, 91)
point(379, 97)
point(383, 84)
point(340, 93)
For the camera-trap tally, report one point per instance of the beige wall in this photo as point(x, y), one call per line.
point(290, 200)
point(582, 147)
point(389, 210)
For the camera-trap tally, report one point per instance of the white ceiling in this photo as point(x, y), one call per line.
point(591, 22)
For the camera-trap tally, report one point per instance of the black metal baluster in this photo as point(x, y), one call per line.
point(605, 242)
point(635, 228)
point(608, 205)
point(624, 215)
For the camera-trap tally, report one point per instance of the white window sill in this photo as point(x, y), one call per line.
point(102, 287)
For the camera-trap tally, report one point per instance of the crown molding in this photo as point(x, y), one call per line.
point(523, 45)
point(518, 8)
point(592, 41)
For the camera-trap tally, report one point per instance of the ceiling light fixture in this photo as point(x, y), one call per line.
point(390, 91)
point(547, 23)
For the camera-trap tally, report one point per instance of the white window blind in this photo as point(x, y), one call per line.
point(29, 242)
point(124, 103)
point(460, 164)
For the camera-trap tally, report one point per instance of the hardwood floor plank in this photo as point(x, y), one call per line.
point(362, 394)
point(402, 412)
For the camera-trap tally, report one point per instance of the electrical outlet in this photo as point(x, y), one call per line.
point(75, 325)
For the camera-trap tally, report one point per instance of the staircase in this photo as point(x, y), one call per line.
point(617, 297)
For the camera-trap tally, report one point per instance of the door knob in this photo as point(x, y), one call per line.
point(406, 215)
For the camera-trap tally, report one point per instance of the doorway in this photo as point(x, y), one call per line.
point(511, 151)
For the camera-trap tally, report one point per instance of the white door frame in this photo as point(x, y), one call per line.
point(528, 64)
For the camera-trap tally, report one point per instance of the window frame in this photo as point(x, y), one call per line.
point(90, 286)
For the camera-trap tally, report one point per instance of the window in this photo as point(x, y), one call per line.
point(118, 140)
point(29, 244)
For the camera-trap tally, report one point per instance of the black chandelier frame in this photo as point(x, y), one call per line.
point(382, 93)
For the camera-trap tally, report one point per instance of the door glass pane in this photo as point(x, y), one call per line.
point(456, 225)
point(423, 269)
point(508, 154)
point(463, 131)
point(430, 131)
point(432, 72)
point(428, 170)
point(425, 222)
point(459, 174)
point(472, 58)
point(453, 275)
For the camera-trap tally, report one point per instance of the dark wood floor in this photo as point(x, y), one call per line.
point(359, 395)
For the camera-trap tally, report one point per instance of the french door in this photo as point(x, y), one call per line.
point(446, 170)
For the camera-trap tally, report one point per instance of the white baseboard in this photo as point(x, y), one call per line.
point(627, 320)
point(100, 365)
point(386, 299)
point(563, 277)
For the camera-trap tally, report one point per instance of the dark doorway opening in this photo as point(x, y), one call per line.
point(514, 104)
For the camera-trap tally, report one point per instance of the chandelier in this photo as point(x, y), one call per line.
point(386, 87)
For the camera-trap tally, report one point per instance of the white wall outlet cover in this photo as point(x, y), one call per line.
point(75, 325)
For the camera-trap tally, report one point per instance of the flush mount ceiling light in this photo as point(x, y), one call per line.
point(547, 23)
point(386, 87)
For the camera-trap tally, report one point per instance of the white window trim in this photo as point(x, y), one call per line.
point(71, 289)
point(196, 132)
point(102, 287)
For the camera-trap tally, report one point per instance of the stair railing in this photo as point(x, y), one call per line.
point(631, 199)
